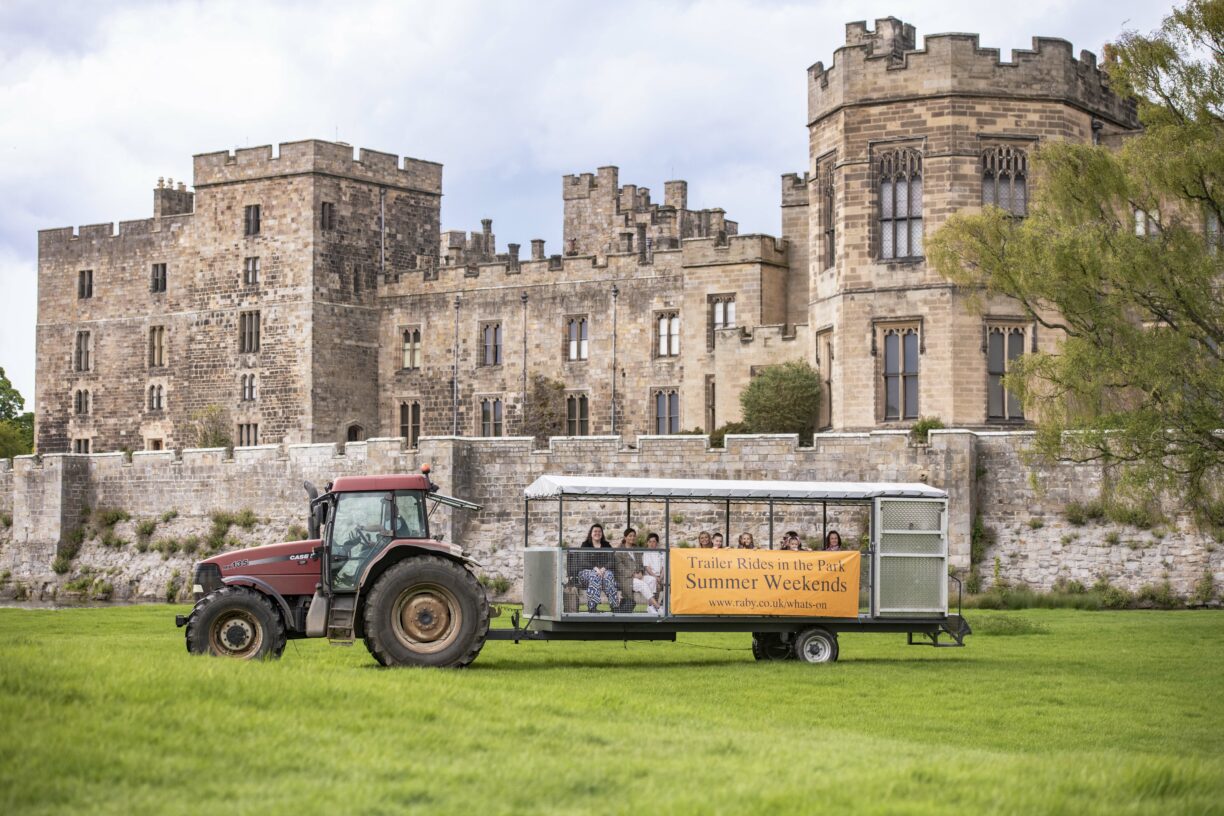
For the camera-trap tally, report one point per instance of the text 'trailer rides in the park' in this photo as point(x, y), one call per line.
point(371, 569)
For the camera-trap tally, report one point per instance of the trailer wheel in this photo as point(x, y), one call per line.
point(771, 646)
point(816, 645)
point(236, 622)
point(426, 611)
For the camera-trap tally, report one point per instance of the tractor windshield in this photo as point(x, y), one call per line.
point(365, 523)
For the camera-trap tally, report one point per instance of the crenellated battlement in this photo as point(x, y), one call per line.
point(794, 189)
point(883, 64)
point(57, 238)
point(733, 249)
point(317, 156)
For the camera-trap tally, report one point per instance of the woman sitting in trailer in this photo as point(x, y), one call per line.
point(833, 541)
point(596, 576)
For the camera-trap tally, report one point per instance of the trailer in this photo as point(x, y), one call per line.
point(795, 603)
point(373, 568)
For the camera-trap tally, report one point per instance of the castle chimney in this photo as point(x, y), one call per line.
point(486, 230)
point(537, 249)
point(168, 200)
point(514, 252)
point(675, 194)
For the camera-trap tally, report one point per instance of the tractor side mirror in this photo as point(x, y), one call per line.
point(387, 521)
point(316, 519)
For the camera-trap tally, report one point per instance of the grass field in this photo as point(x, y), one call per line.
point(1046, 711)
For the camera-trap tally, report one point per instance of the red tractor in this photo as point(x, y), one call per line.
point(369, 570)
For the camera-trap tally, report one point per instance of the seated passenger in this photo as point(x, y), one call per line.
point(597, 577)
point(628, 538)
point(645, 586)
point(624, 564)
point(790, 541)
point(833, 541)
point(746, 542)
point(717, 541)
point(652, 562)
point(704, 541)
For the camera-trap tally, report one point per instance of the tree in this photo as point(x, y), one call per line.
point(211, 428)
point(16, 428)
point(783, 399)
point(1121, 255)
point(544, 414)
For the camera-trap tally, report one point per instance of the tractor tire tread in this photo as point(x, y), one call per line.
point(276, 633)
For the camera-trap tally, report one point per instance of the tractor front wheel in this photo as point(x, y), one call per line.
point(426, 611)
point(236, 622)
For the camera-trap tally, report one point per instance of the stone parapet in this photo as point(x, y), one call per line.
point(315, 156)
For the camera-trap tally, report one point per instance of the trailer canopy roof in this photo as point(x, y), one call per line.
point(552, 487)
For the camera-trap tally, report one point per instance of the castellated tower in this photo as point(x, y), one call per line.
point(899, 138)
point(254, 294)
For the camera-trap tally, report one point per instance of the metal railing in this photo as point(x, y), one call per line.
point(613, 581)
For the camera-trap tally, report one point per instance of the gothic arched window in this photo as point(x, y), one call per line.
point(900, 174)
point(1005, 179)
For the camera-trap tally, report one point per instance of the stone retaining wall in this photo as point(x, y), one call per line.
point(985, 474)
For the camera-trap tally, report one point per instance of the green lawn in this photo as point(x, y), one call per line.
point(103, 711)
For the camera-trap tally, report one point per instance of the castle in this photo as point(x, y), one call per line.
point(304, 295)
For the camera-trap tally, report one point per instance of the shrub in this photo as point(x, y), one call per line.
point(101, 590)
point(81, 583)
point(6, 519)
point(973, 584)
point(71, 545)
point(296, 532)
point(501, 585)
point(173, 586)
point(545, 409)
point(61, 565)
point(112, 541)
point(1080, 514)
point(5, 577)
point(142, 545)
point(146, 527)
point(191, 543)
point(109, 516)
point(169, 516)
point(783, 399)
point(1140, 516)
point(1159, 595)
point(167, 547)
point(718, 437)
point(1035, 523)
point(921, 430)
point(1112, 538)
point(1204, 588)
point(1115, 597)
point(980, 538)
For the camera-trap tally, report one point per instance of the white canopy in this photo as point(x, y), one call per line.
point(552, 487)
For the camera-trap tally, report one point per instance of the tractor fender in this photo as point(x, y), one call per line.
point(398, 550)
point(264, 587)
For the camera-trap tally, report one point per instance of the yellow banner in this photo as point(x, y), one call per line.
point(764, 582)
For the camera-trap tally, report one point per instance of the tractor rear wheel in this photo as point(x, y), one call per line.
point(426, 611)
point(236, 622)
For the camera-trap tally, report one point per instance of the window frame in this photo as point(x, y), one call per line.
point(893, 166)
point(577, 338)
point(248, 435)
point(826, 179)
point(491, 328)
point(668, 422)
point(250, 270)
point(824, 367)
point(251, 218)
point(668, 348)
point(1001, 162)
point(492, 416)
point(157, 347)
point(410, 421)
point(882, 330)
point(1006, 330)
point(85, 284)
point(157, 279)
point(577, 414)
point(82, 355)
point(410, 348)
point(249, 330)
point(327, 216)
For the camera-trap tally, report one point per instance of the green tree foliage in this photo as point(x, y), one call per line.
point(1139, 372)
point(211, 428)
point(783, 399)
point(16, 427)
point(545, 410)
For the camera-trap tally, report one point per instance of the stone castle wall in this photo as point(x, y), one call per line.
point(986, 475)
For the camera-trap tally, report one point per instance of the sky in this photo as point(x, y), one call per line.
point(97, 100)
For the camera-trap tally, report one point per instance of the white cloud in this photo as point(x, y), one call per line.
point(508, 95)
